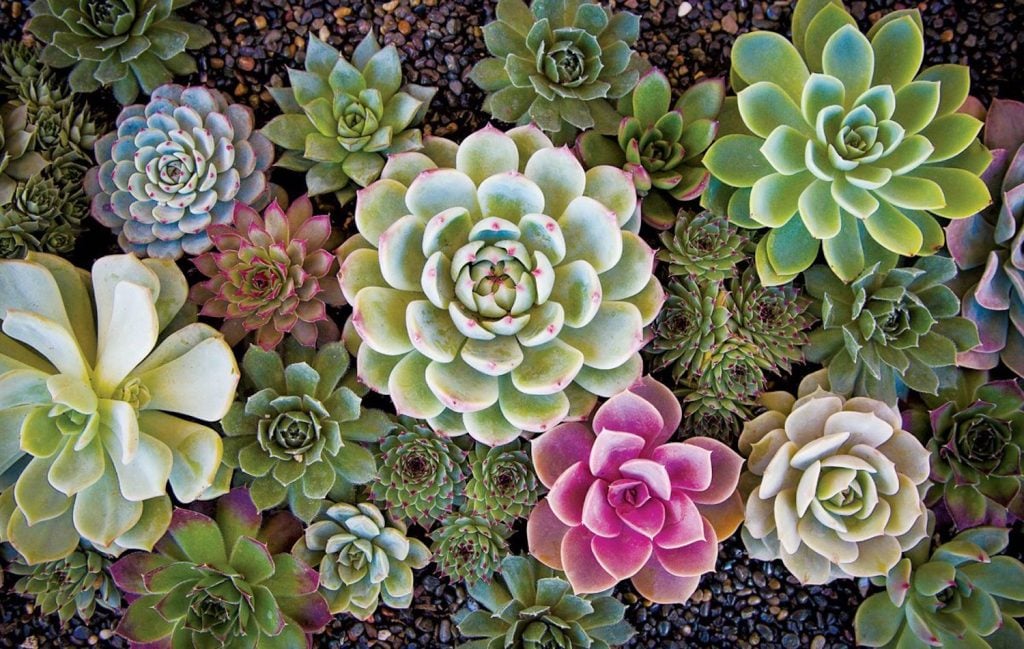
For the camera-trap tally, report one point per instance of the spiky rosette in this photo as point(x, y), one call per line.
point(773, 318)
point(74, 585)
point(703, 245)
point(502, 485)
point(20, 64)
point(469, 548)
point(692, 322)
point(704, 416)
point(732, 372)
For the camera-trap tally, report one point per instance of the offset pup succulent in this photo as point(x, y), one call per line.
point(503, 485)
point(226, 581)
point(661, 147)
point(342, 119)
point(703, 245)
point(627, 504)
point(528, 605)
point(843, 145)
point(558, 65)
point(74, 585)
point(362, 558)
point(833, 485)
point(92, 383)
point(958, 595)
point(176, 166)
point(493, 287)
point(127, 45)
point(469, 547)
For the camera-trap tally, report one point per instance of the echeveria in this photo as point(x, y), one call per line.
point(74, 585)
point(225, 581)
point(843, 145)
point(627, 504)
point(271, 275)
point(342, 119)
point(834, 486)
point(176, 166)
point(493, 287)
point(502, 484)
point(469, 547)
point(703, 245)
point(362, 559)
point(557, 64)
point(89, 381)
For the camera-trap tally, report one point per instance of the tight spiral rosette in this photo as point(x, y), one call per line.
point(502, 485)
point(493, 287)
point(469, 547)
point(176, 166)
point(72, 586)
point(703, 245)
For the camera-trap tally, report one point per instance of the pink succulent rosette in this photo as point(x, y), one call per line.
point(626, 504)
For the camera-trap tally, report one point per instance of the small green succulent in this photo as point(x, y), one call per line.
point(20, 64)
point(502, 485)
point(342, 119)
point(694, 320)
point(773, 318)
point(19, 160)
point(74, 585)
point(703, 245)
point(469, 547)
point(362, 558)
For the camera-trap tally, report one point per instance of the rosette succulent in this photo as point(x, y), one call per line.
point(530, 606)
point(74, 585)
point(693, 321)
point(297, 436)
point(176, 166)
point(887, 329)
point(833, 485)
point(225, 581)
point(469, 548)
point(774, 318)
point(97, 375)
point(20, 64)
point(493, 287)
point(362, 558)
point(843, 145)
point(627, 504)
point(125, 44)
point(958, 595)
point(342, 119)
point(422, 474)
point(661, 147)
point(502, 485)
point(703, 245)
point(558, 65)
point(19, 160)
point(271, 275)
point(989, 248)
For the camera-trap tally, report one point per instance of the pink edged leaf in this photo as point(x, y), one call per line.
point(725, 517)
point(623, 555)
point(559, 448)
point(684, 524)
point(688, 466)
point(245, 217)
point(569, 492)
point(198, 538)
point(292, 576)
point(129, 571)
point(691, 560)
point(654, 475)
point(726, 465)
point(658, 585)
point(315, 231)
point(666, 403)
point(582, 568)
point(276, 222)
point(237, 516)
point(310, 611)
point(648, 519)
point(611, 449)
point(544, 534)
point(627, 412)
point(598, 516)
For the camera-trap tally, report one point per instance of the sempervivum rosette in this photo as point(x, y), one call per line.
point(174, 167)
point(493, 288)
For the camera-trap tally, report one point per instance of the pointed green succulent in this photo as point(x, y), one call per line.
point(703, 245)
point(124, 44)
point(694, 320)
point(469, 548)
point(843, 145)
point(296, 436)
point(19, 159)
point(959, 595)
point(661, 146)
point(362, 558)
point(97, 375)
point(503, 484)
point(20, 64)
point(558, 64)
point(342, 119)
point(74, 585)
point(773, 318)
point(530, 606)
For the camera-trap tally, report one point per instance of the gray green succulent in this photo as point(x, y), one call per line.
point(72, 586)
point(703, 245)
point(502, 485)
point(469, 547)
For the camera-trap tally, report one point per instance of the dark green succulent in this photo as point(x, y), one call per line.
point(693, 320)
point(703, 245)
point(502, 485)
point(530, 606)
point(20, 64)
point(732, 372)
point(74, 585)
point(469, 547)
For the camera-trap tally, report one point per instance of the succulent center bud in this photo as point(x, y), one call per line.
point(981, 441)
point(566, 63)
point(209, 613)
point(263, 280)
point(416, 467)
point(505, 479)
point(294, 433)
point(103, 13)
point(357, 121)
point(134, 393)
point(627, 492)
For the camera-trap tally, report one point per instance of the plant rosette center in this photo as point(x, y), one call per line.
point(359, 118)
point(978, 442)
point(571, 60)
point(292, 434)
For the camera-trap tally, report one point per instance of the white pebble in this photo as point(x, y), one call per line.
point(685, 8)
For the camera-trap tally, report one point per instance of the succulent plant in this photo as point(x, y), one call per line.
point(558, 65)
point(694, 320)
point(272, 275)
point(834, 486)
point(530, 606)
point(503, 484)
point(18, 159)
point(843, 145)
point(342, 119)
point(888, 328)
point(773, 318)
point(958, 595)
point(469, 547)
point(493, 287)
point(703, 245)
point(176, 166)
point(95, 385)
point(296, 436)
point(124, 44)
point(20, 64)
point(661, 146)
point(627, 504)
point(422, 474)
point(225, 581)
point(362, 558)
point(74, 585)
point(987, 247)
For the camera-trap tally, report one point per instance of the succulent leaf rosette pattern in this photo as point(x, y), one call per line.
point(469, 547)
point(845, 146)
point(492, 285)
point(624, 503)
point(74, 585)
point(503, 484)
point(174, 167)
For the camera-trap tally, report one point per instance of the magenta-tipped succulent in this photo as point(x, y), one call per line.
point(989, 248)
point(627, 504)
point(271, 275)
